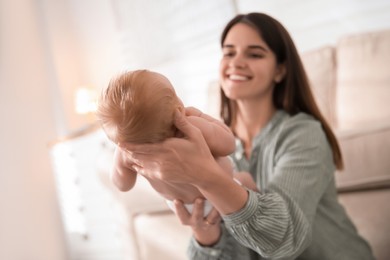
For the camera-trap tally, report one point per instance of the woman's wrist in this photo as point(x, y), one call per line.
point(225, 194)
point(208, 237)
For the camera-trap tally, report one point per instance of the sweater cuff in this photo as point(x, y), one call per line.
point(199, 252)
point(245, 213)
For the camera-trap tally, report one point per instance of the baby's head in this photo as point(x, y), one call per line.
point(138, 107)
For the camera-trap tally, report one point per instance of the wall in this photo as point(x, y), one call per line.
point(313, 24)
point(115, 35)
point(82, 41)
point(91, 41)
point(30, 223)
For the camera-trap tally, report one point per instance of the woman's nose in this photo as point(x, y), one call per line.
point(238, 61)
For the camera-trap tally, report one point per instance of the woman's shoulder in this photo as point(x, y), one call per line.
point(302, 127)
point(302, 134)
point(300, 120)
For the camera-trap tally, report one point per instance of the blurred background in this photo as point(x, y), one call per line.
point(57, 55)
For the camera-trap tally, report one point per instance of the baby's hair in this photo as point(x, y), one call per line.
point(138, 107)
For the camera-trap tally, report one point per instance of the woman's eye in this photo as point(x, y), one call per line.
point(228, 54)
point(256, 55)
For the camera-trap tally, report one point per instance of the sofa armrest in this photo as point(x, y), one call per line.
point(352, 133)
point(374, 183)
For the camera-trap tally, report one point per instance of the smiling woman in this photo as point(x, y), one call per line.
point(282, 139)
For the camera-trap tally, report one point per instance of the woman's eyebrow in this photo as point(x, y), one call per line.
point(252, 47)
point(259, 47)
point(228, 46)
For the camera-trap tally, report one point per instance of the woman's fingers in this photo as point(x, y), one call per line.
point(133, 148)
point(214, 217)
point(193, 218)
point(192, 111)
point(184, 126)
point(196, 218)
point(142, 155)
point(198, 211)
point(182, 212)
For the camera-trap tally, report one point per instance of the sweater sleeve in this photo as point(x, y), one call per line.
point(226, 249)
point(277, 224)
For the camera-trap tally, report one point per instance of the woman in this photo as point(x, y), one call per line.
point(282, 140)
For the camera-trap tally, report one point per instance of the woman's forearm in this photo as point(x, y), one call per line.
point(226, 195)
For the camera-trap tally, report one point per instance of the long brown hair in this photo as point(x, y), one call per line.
point(293, 93)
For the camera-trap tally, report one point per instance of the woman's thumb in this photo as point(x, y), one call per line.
point(182, 123)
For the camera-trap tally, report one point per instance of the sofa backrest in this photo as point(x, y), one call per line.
point(363, 79)
point(351, 81)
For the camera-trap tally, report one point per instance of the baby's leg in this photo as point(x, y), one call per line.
point(226, 164)
point(246, 179)
point(206, 210)
point(243, 177)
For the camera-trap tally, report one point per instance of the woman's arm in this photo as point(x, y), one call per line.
point(227, 248)
point(168, 160)
point(276, 223)
point(281, 218)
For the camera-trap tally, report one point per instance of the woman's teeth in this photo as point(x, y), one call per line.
point(238, 77)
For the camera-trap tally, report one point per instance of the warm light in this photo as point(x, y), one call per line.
point(86, 101)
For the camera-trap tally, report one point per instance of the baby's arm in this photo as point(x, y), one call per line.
point(121, 175)
point(217, 135)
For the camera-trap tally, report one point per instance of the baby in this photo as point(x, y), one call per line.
point(138, 107)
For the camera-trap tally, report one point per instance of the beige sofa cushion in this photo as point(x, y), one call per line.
point(370, 212)
point(366, 157)
point(364, 185)
point(363, 79)
point(320, 66)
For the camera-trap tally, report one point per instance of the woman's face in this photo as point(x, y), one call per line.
point(248, 69)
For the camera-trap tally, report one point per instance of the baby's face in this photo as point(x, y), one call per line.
point(165, 83)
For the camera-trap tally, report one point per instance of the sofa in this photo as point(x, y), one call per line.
point(351, 84)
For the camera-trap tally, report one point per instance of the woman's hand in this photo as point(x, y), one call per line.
point(206, 230)
point(176, 160)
